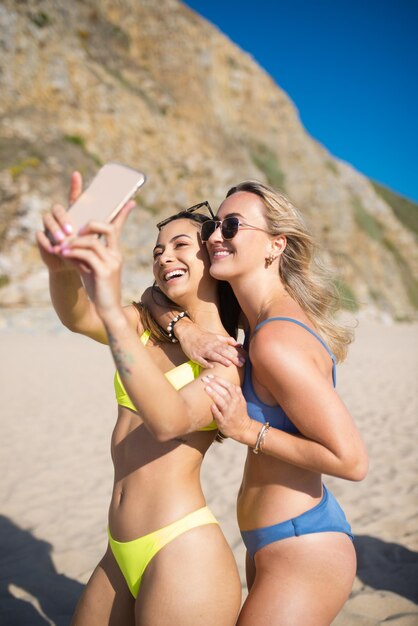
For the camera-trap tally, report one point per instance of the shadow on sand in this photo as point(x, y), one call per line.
point(387, 566)
point(27, 571)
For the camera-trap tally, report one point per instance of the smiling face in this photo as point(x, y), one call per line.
point(181, 263)
point(248, 249)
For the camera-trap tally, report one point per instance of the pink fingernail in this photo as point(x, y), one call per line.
point(58, 236)
point(68, 229)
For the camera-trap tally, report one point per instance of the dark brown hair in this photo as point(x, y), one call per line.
point(229, 310)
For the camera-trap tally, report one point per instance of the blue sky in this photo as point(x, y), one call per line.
point(351, 69)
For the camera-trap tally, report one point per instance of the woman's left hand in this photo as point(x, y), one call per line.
point(229, 409)
point(207, 348)
point(99, 261)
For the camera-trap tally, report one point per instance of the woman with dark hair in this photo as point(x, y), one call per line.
point(167, 561)
point(301, 561)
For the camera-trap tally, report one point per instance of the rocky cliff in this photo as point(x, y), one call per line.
point(154, 85)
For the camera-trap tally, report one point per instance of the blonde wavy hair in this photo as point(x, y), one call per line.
point(304, 276)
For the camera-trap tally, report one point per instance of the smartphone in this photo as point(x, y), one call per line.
point(111, 188)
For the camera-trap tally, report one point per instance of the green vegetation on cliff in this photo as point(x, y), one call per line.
point(405, 210)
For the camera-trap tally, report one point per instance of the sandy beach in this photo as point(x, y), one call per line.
point(57, 415)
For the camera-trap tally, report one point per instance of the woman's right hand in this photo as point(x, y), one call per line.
point(207, 348)
point(97, 255)
point(58, 224)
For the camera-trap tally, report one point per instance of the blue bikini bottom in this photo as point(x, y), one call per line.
point(327, 516)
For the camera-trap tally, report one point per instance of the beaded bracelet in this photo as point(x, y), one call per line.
point(260, 439)
point(170, 327)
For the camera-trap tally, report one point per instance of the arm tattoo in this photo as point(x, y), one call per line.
point(121, 358)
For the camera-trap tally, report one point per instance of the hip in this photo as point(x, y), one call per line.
point(325, 516)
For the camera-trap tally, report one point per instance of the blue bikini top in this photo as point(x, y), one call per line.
point(259, 410)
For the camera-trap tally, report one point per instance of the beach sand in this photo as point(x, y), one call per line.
point(57, 415)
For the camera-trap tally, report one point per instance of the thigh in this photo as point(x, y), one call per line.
point(302, 580)
point(106, 599)
point(192, 581)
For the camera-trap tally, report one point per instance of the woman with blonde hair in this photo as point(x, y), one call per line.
point(301, 561)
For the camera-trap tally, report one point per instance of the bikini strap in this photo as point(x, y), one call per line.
point(145, 336)
point(291, 319)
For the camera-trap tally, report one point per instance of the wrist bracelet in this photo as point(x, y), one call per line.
point(170, 327)
point(260, 439)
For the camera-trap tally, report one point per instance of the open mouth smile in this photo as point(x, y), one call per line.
point(220, 254)
point(173, 275)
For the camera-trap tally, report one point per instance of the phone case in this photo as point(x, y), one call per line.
point(111, 188)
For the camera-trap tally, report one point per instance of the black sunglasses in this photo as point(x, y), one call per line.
point(193, 209)
point(229, 227)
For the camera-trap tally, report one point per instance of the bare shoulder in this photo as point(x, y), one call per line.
point(282, 348)
point(280, 336)
point(134, 318)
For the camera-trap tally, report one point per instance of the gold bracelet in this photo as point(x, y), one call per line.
point(260, 439)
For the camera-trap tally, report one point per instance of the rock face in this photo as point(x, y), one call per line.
point(154, 85)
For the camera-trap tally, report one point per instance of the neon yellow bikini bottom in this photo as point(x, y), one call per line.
point(134, 556)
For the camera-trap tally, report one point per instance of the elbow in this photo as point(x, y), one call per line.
point(361, 469)
point(162, 436)
point(160, 433)
point(165, 432)
point(351, 460)
point(177, 425)
point(72, 326)
point(69, 324)
point(356, 469)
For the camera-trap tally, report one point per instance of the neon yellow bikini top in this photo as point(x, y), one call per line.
point(178, 376)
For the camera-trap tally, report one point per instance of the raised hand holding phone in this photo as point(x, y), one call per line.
point(110, 190)
point(112, 187)
point(99, 260)
point(72, 284)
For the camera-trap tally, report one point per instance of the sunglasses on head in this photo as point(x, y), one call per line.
point(229, 227)
point(193, 209)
